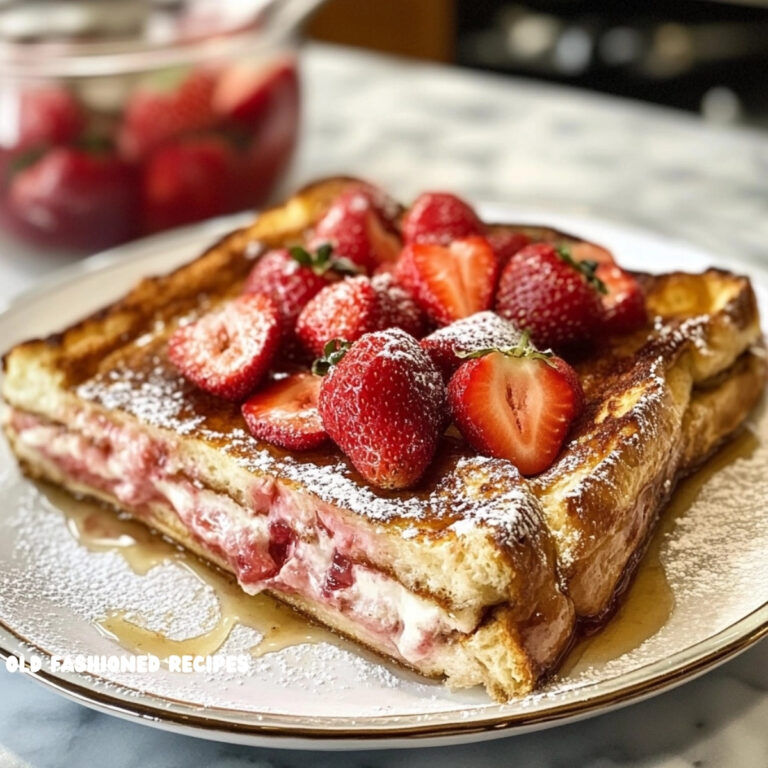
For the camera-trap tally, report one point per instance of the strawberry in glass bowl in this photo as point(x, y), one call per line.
point(112, 132)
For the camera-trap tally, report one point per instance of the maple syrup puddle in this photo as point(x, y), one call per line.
point(648, 602)
point(100, 529)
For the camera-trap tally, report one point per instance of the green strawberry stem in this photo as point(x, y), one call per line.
point(323, 260)
point(523, 349)
point(587, 268)
point(333, 352)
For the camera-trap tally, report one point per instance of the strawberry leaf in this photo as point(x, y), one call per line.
point(302, 255)
point(333, 352)
point(587, 268)
point(523, 349)
point(323, 260)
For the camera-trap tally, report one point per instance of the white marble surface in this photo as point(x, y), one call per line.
point(409, 127)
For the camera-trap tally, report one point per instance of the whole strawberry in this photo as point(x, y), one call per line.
point(344, 310)
point(47, 114)
point(356, 306)
point(292, 276)
point(547, 292)
point(358, 227)
point(448, 346)
point(160, 111)
point(396, 307)
point(506, 243)
point(227, 352)
point(76, 198)
point(187, 180)
point(439, 217)
point(383, 404)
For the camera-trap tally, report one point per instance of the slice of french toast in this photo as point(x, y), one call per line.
point(477, 574)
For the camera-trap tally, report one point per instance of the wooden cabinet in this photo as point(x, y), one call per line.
point(420, 28)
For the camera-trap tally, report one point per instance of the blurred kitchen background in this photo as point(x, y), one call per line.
point(704, 56)
point(122, 118)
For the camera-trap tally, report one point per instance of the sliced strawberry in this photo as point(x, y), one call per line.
point(383, 403)
point(506, 244)
point(450, 281)
point(187, 181)
point(356, 227)
point(544, 290)
point(247, 93)
point(285, 413)
point(396, 307)
point(448, 346)
point(517, 405)
point(344, 310)
point(292, 277)
point(339, 575)
point(159, 112)
point(228, 351)
point(439, 217)
point(281, 541)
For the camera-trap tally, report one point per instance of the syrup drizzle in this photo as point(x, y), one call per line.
point(642, 611)
point(100, 529)
point(648, 602)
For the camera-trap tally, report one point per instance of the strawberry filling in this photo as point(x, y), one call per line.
point(283, 541)
point(340, 574)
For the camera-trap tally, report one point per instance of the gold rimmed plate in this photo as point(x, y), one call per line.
point(78, 580)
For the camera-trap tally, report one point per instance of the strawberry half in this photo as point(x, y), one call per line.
point(582, 250)
point(285, 413)
point(516, 404)
point(291, 277)
point(451, 281)
point(357, 227)
point(439, 217)
point(624, 302)
point(228, 351)
point(624, 308)
point(448, 346)
point(544, 290)
point(383, 404)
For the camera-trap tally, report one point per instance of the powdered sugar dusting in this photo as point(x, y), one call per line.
point(478, 331)
point(157, 395)
point(713, 557)
point(692, 329)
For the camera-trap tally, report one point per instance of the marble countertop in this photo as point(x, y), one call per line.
point(409, 126)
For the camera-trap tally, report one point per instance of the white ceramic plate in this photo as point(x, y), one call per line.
point(332, 696)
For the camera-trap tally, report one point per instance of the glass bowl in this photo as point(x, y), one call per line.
point(110, 132)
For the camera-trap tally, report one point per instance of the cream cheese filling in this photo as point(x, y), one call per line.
point(123, 462)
